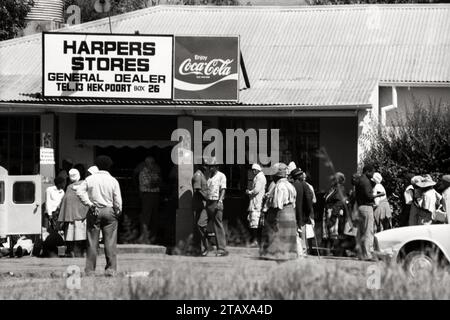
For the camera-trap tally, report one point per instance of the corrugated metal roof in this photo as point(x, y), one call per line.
point(51, 10)
point(318, 55)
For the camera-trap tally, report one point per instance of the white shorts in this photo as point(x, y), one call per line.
point(253, 219)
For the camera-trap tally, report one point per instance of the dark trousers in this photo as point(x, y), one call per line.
point(212, 213)
point(106, 220)
point(150, 211)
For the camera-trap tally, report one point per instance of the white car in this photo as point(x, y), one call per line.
point(416, 248)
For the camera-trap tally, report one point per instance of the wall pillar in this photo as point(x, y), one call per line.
point(47, 147)
point(365, 132)
point(184, 215)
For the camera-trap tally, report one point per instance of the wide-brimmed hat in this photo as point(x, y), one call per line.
point(296, 172)
point(416, 179)
point(427, 181)
point(281, 170)
point(256, 166)
point(446, 178)
point(377, 178)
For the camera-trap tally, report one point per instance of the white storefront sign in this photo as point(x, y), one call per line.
point(47, 156)
point(107, 66)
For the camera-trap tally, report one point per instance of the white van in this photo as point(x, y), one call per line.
point(20, 204)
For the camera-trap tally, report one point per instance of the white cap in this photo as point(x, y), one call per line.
point(74, 175)
point(377, 177)
point(256, 166)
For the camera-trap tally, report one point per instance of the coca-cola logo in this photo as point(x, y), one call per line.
point(202, 68)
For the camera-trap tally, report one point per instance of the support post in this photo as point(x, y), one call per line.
point(184, 215)
point(47, 146)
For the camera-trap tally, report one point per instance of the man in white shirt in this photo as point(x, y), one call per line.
point(256, 195)
point(53, 199)
point(215, 194)
point(101, 192)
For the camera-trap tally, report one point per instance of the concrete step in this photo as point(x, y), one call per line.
point(137, 248)
point(155, 249)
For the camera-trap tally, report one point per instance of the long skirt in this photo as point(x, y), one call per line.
point(280, 230)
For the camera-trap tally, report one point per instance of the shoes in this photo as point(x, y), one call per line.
point(222, 253)
point(110, 273)
point(205, 253)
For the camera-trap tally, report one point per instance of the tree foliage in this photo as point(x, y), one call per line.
point(12, 17)
point(417, 143)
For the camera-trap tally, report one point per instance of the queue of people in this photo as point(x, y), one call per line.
point(281, 215)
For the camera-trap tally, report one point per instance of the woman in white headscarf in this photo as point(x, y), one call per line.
point(382, 211)
point(73, 216)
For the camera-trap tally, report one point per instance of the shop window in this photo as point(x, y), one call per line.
point(19, 144)
point(2, 192)
point(23, 192)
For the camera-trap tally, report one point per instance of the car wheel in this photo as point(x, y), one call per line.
point(418, 262)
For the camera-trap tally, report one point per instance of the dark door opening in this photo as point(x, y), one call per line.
point(127, 165)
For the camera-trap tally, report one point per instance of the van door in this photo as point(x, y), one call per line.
point(3, 205)
point(23, 205)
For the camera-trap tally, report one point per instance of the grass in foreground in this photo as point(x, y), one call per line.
point(307, 279)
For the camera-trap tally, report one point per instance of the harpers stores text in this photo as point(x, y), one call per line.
point(94, 49)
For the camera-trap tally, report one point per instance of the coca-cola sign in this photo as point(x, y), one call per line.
point(206, 68)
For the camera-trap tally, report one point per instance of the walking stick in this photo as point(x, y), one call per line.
point(317, 246)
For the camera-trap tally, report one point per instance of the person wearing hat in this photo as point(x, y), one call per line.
point(429, 202)
point(73, 217)
point(281, 223)
point(382, 212)
point(199, 186)
point(215, 194)
point(414, 194)
point(256, 194)
point(304, 212)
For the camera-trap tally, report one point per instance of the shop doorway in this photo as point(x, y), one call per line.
point(127, 164)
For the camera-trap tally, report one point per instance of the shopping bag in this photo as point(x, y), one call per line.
point(309, 230)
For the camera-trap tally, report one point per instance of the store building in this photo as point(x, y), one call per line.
point(320, 74)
